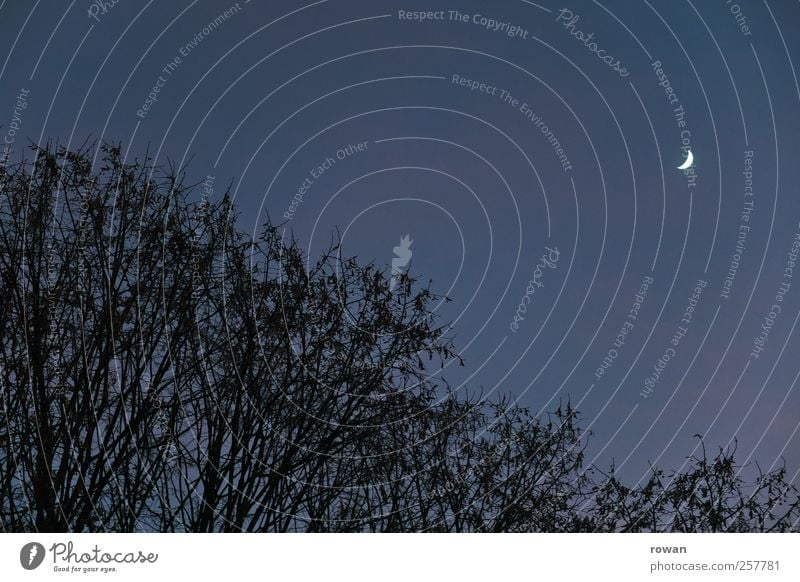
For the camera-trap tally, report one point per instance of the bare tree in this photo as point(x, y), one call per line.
point(161, 371)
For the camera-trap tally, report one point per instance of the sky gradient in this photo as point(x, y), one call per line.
point(528, 150)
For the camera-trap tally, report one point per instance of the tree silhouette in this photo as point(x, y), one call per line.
point(162, 371)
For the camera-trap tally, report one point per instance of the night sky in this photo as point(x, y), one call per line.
point(528, 150)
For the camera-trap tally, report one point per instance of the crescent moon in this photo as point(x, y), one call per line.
point(689, 161)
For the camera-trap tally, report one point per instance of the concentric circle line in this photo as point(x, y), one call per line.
point(663, 183)
point(508, 187)
point(775, 415)
point(230, 87)
point(766, 246)
point(785, 48)
point(171, 123)
point(550, 313)
point(19, 34)
point(757, 397)
point(657, 320)
point(674, 393)
point(713, 127)
point(623, 25)
point(730, 75)
point(622, 425)
point(463, 185)
point(41, 136)
point(537, 6)
point(133, 70)
point(50, 38)
point(363, 114)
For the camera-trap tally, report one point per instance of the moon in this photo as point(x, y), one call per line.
point(689, 161)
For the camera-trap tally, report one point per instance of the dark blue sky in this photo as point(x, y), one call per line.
point(489, 137)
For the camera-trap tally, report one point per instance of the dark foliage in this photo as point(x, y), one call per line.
point(161, 371)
